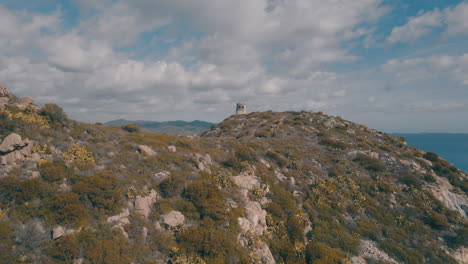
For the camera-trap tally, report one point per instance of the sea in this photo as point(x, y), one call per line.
point(452, 147)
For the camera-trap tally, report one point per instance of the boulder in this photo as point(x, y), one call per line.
point(146, 150)
point(11, 143)
point(255, 220)
point(160, 176)
point(173, 219)
point(4, 92)
point(13, 148)
point(203, 162)
point(246, 181)
point(172, 149)
point(121, 218)
point(143, 204)
point(57, 232)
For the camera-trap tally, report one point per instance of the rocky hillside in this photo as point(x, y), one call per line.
point(292, 187)
point(179, 127)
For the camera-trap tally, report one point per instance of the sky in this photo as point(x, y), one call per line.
point(393, 65)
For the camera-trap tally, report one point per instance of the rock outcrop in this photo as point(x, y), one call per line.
point(143, 204)
point(13, 148)
point(443, 192)
point(203, 162)
point(7, 98)
point(172, 149)
point(172, 219)
point(146, 150)
point(369, 250)
point(121, 219)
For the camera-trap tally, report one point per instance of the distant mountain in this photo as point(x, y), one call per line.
point(452, 147)
point(168, 127)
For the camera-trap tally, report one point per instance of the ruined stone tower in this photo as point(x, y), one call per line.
point(241, 109)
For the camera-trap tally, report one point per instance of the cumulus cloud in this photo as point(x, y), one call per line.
point(454, 20)
point(179, 59)
point(432, 67)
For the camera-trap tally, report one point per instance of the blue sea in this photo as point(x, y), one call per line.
point(452, 147)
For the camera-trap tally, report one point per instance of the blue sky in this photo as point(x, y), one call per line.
point(397, 66)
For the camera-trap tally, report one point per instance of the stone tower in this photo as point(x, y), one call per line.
point(241, 109)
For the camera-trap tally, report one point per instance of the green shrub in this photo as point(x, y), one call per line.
point(172, 186)
point(436, 220)
point(131, 128)
point(7, 243)
point(65, 250)
point(66, 209)
point(101, 191)
point(214, 244)
point(319, 253)
point(369, 163)
point(104, 246)
point(402, 253)
point(333, 144)
point(431, 156)
point(208, 199)
point(21, 191)
point(277, 157)
point(53, 171)
point(54, 112)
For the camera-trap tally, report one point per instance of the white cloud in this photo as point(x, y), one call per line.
point(454, 20)
point(19, 31)
point(426, 68)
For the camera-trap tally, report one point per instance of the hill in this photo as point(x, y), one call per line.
point(453, 147)
point(267, 187)
point(178, 127)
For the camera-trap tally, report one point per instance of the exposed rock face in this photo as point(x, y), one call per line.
point(254, 223)
point(369, 250)
point(355, 153)
point(172, 148)
point(255, 220)
point(203, 162)
point(173, 219)
point(4, 92)
point(57, 232)
point(443, 192)
point(60, 231)
point(461, 255)
point(146, 150)
point(160, 176)
point(143, 204)
point(6, 97)
point(121, 218)
point(13, 148)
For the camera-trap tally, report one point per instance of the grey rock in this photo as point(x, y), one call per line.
point(121, 218)
point(143, 204)
point(203, 162)
point(172, 148)
point(146, 150)
point(443, 192)
point(160, 176)
point(173, 219)
point(58, 232)
point(11, 142)
point(4, 92)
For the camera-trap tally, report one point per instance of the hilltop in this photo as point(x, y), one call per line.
point(265, 187)
point(182, 128)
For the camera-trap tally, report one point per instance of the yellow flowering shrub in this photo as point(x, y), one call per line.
point(30, 118)
point(80, 155)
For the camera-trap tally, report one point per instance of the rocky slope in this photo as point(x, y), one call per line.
point(292, 187)
point(179, 127)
